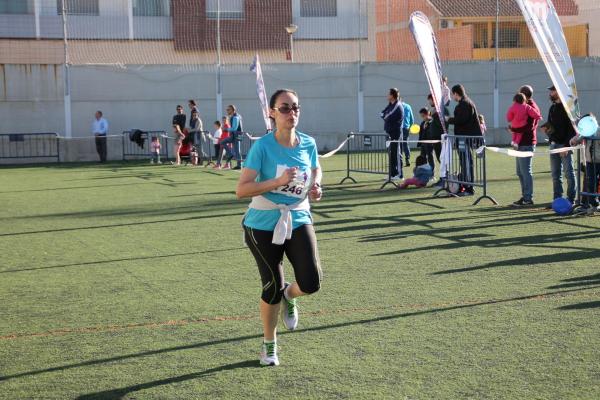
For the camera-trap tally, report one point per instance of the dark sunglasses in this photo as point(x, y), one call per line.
point(288, 109)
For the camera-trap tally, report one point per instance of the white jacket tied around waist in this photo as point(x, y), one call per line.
point(283, 229)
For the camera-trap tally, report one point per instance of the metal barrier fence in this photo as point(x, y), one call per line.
point(140, 149)
point(589, 191)
point(466, 167)
point(368, 153)
point(29, 145)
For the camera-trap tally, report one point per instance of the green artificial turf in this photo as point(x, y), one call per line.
point(131, 281)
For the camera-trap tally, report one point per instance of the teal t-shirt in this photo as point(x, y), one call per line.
point(270, 159)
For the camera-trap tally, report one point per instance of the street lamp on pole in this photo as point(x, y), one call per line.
point(291, 29)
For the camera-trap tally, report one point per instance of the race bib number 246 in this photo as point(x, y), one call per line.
point(296, 188)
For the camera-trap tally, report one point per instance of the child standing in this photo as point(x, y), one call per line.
point(422, 174)
point(155, 150)
point(216, 138)
point(226, 147)
point(518, 116)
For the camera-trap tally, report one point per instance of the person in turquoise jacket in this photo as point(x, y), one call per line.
point(409, 120)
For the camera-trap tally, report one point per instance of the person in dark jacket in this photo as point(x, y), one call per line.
point(466, 123)
point(393, 117)
point(436, 130)
point(560, 136)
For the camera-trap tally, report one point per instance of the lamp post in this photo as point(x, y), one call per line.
point(291, 29)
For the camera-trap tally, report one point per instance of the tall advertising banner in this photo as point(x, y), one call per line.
point(546, 30)
point(426, 42)
point(261, 91)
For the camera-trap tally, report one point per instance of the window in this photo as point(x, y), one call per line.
point(509, 36)
point(16, 7)
point(318, 8)
point(229, 9)
point(79, 7)
point(150, 8)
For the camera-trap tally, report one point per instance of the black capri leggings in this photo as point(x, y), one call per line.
point(302, 252)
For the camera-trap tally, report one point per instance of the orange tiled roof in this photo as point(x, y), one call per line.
point(487, 8)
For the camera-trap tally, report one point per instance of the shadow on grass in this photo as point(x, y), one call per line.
point(119, 393)
point(186, 218)
point(581, 282)
point(534, 260)
point(116, 260)
point(313, 329)
point(581, 306)
point(462, 241)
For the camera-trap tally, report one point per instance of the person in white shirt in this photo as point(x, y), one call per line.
point(100, 130)
point(216, 137)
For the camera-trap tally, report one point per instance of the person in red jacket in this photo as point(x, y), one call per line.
point(527, 142)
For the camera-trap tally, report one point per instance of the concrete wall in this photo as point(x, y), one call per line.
point(145, 97)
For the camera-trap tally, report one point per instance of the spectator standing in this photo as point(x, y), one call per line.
point(155, 150)
point(224, 145)
point(235, 132)
point(526, 142)
point(196, 132)
point(466, 123)
point(216, 137)
point(393, 117)
point(178, 126)
point(560, 136)
point(436, 129)
point(407, 122)
point(100, 130)
point(589, 204)
point(424, 134)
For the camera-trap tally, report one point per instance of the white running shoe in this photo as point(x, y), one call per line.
point(289, 311)
point(268, 355)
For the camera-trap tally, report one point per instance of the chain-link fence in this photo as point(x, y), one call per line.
point(137, 59)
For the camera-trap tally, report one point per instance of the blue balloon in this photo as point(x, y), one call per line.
point(562, 206)
point(587, 126)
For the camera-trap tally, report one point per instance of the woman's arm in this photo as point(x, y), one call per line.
point(248, 187)
point(316, 192)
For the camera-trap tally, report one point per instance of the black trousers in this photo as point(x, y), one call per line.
point(428, 150)
point(301, 251)
point(395, 167)
point(101, 147)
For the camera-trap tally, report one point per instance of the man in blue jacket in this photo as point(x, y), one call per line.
point(393, 117)
point(407, 122)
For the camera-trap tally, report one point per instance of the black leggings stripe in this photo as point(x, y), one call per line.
point(301, 251)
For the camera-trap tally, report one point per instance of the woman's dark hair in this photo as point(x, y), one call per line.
point(395, 93)
point(218, 123)
point(424, 111)
point(278, 93)
point(519, 98)
point(275, 96)
point(192, 102)
point(421, 160)
point(459, 90)
point(429, 97)
point(527, 90)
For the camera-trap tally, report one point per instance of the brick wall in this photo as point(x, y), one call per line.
point(394, 11)
point(263, 26)
point(399, 45)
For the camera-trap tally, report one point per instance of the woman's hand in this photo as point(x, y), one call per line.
point(288, 176)
point(316, 192)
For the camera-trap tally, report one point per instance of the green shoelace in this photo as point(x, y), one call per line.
point(291, 306)
point(271, 349)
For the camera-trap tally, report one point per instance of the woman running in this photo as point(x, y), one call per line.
point(281, 173)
